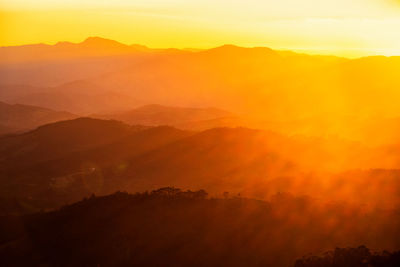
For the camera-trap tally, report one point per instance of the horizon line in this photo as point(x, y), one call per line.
point(300, 51)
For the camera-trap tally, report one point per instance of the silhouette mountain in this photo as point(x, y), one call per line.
point(79, 97)
point(170, 227)
point(6, 130)
point(348, 257)
point(163, 115)
point(312, 163)
point(57, 139)
point(22, 117)
point(229, 121)
point(259, 163)
point(62, 162)
point(90, 47)
point(292, 93)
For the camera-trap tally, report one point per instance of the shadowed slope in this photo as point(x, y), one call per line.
point(58, 139)
point(163, 115)
point(80, 97)
point(63, 162)
point(292, 93)
point(23, 117)
point(169, 227)
point(242, 161)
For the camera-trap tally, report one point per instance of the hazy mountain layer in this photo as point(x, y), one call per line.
point(79, 97)
point(288, 92)
point(22, 117)
point(62, 162)
point(154, 115)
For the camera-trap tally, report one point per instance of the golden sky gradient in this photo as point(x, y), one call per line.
point(341, 27)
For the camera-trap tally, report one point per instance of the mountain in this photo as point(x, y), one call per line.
point(294, 93)
point(45, 65)
point(57, 139)
point(7, 130)
point(79, 97)
point(80, 103)
point(19, 117)
point(63, 162)
point(234, 78)
point(313, 95)
point(163, 115)
point(259, 163)
point(305, 161)
point(66, 165)
point(347, 257)
point(91, 47)
point(9, 92)
point(213, 159)
point(171, 227)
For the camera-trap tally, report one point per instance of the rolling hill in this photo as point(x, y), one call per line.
point(58, 139)
point(90, 47)
point(63, 162)
point(154, 115)
point(17, 117)
point(79, 97)
point(170, 227)
point(293, 93)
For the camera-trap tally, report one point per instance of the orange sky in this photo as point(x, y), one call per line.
point(341, 27)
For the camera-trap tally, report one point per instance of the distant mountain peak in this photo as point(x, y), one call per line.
point(233, 49)
point(100, 41)
point(227, 47)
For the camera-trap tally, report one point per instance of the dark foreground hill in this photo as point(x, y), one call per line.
point(170, 227)
point(61, 163)
point(350, 257)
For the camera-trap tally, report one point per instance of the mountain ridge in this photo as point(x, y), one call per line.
point(22, 117)
point(155, 114)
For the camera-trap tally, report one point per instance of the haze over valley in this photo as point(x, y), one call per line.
point(124, 155)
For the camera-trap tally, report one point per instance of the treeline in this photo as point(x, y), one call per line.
point(171, 227)
point(351, 257)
